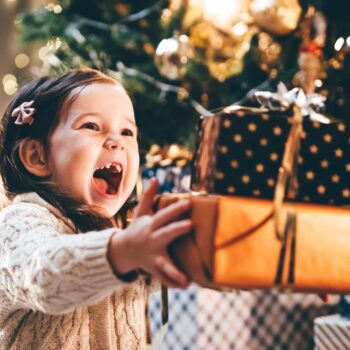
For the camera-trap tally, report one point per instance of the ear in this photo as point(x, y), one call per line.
point(32, 155)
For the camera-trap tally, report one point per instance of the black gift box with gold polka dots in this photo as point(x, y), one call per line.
point(239, 152)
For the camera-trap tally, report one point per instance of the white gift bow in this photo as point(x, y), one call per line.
point(309, 104)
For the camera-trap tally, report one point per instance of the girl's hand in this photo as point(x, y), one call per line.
point(144, 243)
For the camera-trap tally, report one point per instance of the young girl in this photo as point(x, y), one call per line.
point(69, 279)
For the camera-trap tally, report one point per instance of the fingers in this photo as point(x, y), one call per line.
point(169, 274)
point(146, 201)
point(168, 233)
point(168, 214)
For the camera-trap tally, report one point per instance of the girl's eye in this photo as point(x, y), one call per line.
point(91, 126)
point(127, 132)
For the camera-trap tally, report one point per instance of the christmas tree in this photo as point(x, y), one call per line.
point(180, 58)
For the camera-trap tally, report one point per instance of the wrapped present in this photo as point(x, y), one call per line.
point(234, 244)
point(332, 332)
point(282, 221)
point(239, 152)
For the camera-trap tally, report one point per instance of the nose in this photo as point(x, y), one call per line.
point(114, 142)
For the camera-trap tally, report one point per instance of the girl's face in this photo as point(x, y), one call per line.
point(93, 152)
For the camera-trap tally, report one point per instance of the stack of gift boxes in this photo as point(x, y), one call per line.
point(239, 153)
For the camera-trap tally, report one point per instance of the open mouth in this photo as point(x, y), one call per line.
point(108, 178)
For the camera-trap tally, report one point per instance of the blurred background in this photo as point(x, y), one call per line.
point(14, 58)
point(179, 59)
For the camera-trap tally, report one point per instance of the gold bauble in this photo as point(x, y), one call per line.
point(172, 56)
point(276, 16)
point(220, 32)
point(223, 52)
point(222, 14)
point(268, 52)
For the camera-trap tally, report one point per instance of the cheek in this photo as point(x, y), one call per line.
point(134, 163)
point(135, 159)
point(69, 159)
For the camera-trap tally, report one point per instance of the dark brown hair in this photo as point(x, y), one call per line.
point(51, 96)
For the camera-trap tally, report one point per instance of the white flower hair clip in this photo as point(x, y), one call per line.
point(24, 113)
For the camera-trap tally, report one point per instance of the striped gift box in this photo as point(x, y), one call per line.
point(332, 332)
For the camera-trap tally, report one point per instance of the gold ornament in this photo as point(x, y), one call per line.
point(219, 30)
point(267, 52)
point(222, 14)
point(276, 16)
point(172, 55)
point(223, 52)
point(153, 157)
point(167, 155)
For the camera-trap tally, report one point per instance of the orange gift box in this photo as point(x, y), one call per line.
point(234, 244)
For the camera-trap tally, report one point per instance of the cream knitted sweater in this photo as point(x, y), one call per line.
point(57, 289)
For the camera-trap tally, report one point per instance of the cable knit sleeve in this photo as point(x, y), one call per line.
point(44, 270)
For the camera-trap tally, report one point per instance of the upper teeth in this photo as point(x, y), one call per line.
point(117, 167)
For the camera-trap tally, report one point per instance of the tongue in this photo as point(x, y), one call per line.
point(101, 184)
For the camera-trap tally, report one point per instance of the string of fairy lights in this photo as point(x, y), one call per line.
point(48, 57)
